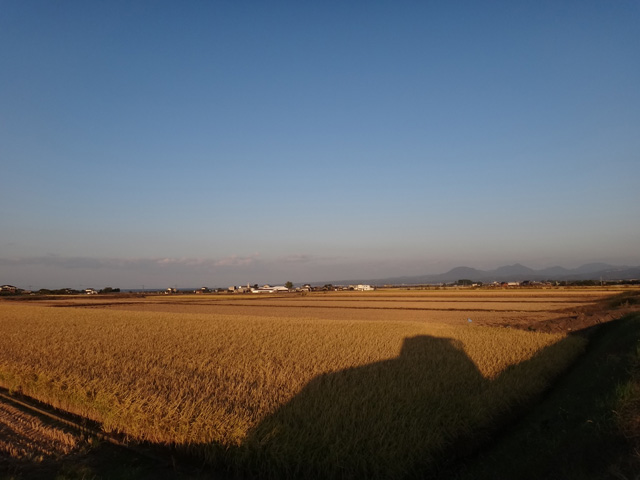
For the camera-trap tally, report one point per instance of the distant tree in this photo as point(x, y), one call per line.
point(60, 291)
point(110, 290)
point(289, 285)
point(464, 282)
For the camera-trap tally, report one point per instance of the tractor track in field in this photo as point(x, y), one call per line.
point(30, 429)
point(38, 441)
point(24, 436)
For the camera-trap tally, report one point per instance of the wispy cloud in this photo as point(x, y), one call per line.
point(302, 258)
point(237, 261)
point(296, 258)
point(133, 263)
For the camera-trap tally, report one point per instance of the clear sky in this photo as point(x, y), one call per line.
point(211, 143)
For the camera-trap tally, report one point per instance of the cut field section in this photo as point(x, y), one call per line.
point(514, 306)
point(452, 317)
point(510, 308)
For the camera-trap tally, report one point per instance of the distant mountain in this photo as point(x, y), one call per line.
point(511, 273)
point(554, 271)
point(513, 270)
point(594, 268)
point(623, 273)
point(464, 272)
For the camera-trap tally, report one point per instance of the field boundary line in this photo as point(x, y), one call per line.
point(341, 307)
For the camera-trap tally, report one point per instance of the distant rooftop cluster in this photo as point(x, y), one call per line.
point(287, 288)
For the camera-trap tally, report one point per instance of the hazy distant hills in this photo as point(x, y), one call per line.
point(513, 273)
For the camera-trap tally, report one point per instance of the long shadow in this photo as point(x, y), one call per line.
point(391, 419)
point(396, 418)
point(575, 433)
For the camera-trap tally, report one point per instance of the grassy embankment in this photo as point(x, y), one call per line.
point(587, 428)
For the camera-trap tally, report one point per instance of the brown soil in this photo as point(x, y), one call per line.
point(581, 318)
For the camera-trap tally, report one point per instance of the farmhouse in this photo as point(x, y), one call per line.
point(236, 289)
point(363, 288)
point(268, 289)
point(8, 289)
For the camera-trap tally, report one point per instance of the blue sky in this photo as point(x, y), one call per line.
point(218, 143)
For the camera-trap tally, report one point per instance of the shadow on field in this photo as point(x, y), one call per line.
point(398, 418)
point(390, 419)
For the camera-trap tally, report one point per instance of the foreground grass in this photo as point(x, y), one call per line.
point(280, 397)
point(628, 403)
point(588, 428)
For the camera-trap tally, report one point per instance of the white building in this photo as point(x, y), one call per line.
point(268, 289)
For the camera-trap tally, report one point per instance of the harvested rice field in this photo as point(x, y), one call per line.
point(514, 308)
point(382, 384)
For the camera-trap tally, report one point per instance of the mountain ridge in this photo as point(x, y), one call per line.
point(510, 273)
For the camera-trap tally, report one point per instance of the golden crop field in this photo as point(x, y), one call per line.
point(308, 392)
point(514, 308)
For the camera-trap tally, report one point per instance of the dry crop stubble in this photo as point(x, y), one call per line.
point(453, 317)
point(228, 384)
point(453, 309)
point(397, 305)
point(23, 436)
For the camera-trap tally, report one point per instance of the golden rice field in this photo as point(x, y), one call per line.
point(293, 390)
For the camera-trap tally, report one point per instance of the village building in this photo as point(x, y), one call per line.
point(269, 289)
point(363, 288)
